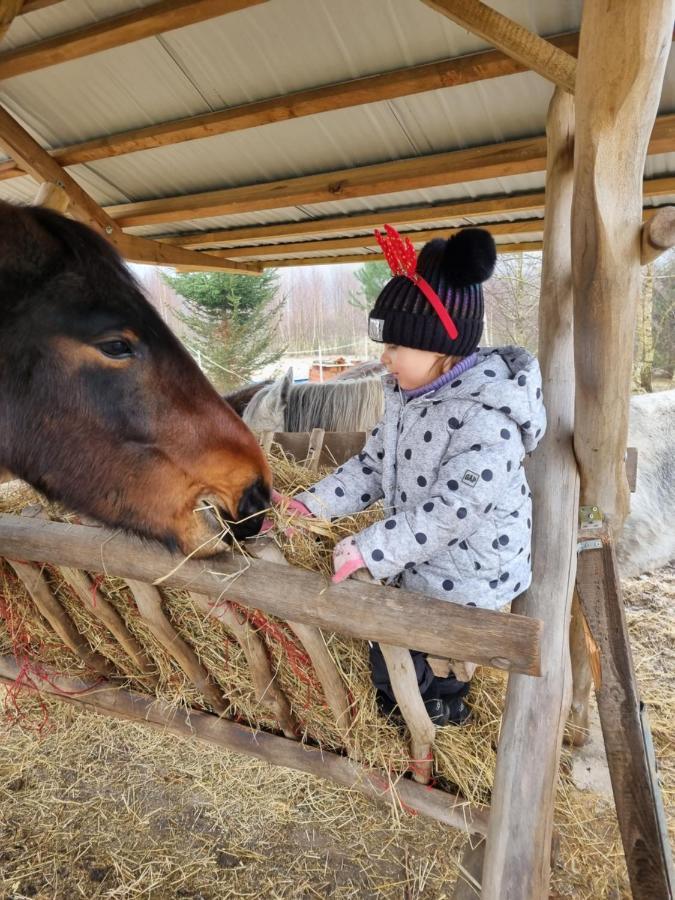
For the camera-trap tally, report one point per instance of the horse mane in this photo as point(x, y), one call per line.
point(335, 405)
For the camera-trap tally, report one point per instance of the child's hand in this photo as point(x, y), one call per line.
point(346, 560)
point(294, 507)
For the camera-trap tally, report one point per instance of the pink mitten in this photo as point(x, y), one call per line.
point(293, 506)
point(346, 560)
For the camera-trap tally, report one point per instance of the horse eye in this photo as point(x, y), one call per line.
point(117, 349)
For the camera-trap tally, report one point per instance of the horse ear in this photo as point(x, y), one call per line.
point(286, 385)
point(25, 247)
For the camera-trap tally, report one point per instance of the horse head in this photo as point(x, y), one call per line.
point(267, 409)
point(101, 407)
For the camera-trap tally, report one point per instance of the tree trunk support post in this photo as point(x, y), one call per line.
point(517, 854)
point(623, 50)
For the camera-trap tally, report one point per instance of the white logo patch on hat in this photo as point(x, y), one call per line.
point(375, 329)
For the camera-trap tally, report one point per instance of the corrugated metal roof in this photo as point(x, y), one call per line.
point(270, 50)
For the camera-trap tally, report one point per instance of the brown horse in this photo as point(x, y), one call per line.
point(101, 408)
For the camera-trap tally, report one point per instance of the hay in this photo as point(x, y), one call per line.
point(591, 859)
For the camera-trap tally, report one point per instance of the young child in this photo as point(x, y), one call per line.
point(447, 458)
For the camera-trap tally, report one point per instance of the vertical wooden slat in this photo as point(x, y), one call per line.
point(625, 728)
point(517, 858)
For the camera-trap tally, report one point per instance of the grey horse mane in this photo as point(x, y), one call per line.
point(334, 405)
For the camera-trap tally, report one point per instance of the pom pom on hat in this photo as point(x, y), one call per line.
point(470, 257)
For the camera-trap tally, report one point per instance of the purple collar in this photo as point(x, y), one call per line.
point(467, 363)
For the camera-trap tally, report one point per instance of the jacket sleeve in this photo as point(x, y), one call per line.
point(476, 471)
point(353, 486)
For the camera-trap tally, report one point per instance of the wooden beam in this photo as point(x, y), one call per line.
point(625, 729)
point(40, 165)
point(52, 196)
point(202, 726)
point(522, 247)
point(455, 167)
point(517, 859)
point(341, 95)
point(35, 5)
point(359, 610)
point(521, 226)
point(616, 106)
point(115, 32)
point(409, 215)
point(658, 235)
point(529, 49)
point(9, 9)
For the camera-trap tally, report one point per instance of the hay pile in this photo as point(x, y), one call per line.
point(591, 860)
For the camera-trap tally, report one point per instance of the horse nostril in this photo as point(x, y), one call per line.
point(254, 500)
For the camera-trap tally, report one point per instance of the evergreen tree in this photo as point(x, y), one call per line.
point(372, 277)
point(233, 320)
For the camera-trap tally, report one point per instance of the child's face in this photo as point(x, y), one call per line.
point(414, 368)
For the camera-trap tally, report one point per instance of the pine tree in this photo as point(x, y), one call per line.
point(233, 320)
point(372, 277)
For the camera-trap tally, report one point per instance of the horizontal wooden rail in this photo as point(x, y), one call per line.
point(358, 610)
point(122, 704)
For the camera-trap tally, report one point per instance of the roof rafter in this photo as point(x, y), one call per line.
point(475, 164)
point(410, 215)
point(341, 95)
point(521, 247)
point(534, 51)
point(9, 10)
point(160, 17)
point(522, 226)
point(40, 165)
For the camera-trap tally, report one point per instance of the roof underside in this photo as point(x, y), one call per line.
point(270, 50)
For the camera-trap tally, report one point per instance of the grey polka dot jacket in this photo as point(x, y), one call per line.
point(449, 468)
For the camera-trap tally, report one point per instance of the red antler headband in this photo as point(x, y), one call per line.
point(402, 258)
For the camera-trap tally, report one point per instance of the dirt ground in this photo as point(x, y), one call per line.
point(95, 808)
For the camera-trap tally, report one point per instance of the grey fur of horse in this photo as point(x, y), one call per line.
point(334, 405)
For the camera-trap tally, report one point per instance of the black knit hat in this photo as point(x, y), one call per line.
point(454, 269)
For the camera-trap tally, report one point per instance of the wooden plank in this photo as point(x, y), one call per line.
point(34, 5)
point(519, 247)
point(521, 226)
point(533, 51)
point(9, 9)
point(40, 165)
point(52, 196)
point(49, 606)
point(634, 784)
point(341, 95)
point(517, 858)
point(518, 157)
point(616, 106)
point(359, 610)
point(157, 18)
point(410, 215)
point(201, 726)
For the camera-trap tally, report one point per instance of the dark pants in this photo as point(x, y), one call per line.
point(431, 687)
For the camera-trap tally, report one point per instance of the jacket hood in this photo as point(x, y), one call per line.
point(507, 379)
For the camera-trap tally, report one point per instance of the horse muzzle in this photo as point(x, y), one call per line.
point(251, 511)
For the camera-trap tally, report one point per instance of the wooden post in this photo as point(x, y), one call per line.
point(623, 51)
point(517, 858)
point(622, 57)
